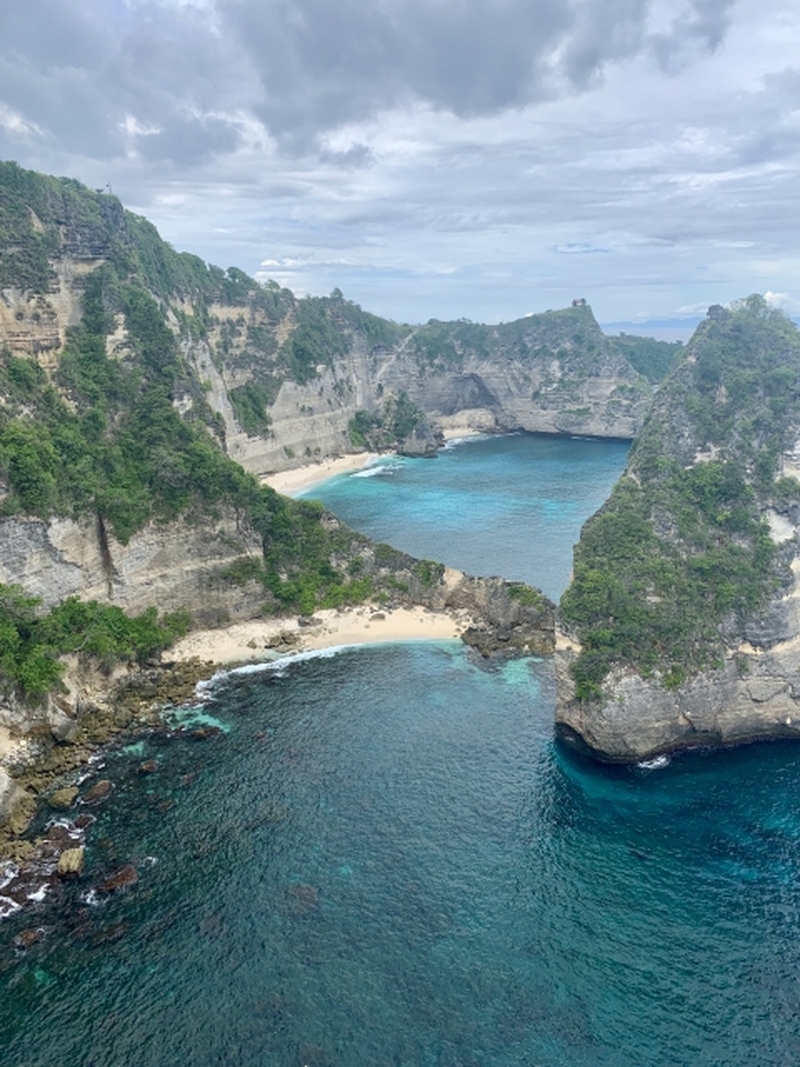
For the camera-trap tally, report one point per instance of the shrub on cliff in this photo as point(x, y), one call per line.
point(680, 558)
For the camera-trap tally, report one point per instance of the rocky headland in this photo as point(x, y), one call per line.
point(681, 628)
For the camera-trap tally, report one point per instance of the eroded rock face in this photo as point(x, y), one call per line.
point(753, 697)
point(690, 617)
point(176, 564)
point(497, 390)
point(17, 807)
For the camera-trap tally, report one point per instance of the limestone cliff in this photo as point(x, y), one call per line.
point(284, 378)
point(682, 625)
point(549, 373)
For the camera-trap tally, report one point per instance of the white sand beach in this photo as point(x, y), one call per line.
point(299, 479)
point(253, 641)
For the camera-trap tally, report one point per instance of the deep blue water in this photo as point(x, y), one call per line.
point(386, 860)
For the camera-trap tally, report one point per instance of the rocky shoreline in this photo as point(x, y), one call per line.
point(51, 778)
point(49, 787)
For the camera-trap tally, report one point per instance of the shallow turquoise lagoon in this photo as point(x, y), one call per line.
point(511, 505)
point(386, 860)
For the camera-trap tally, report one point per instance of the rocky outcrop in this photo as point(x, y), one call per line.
point(422, 441)
point(169, 565)
point(753, 695)
point(682, 626)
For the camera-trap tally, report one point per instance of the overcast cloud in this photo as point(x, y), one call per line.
point(435, 158)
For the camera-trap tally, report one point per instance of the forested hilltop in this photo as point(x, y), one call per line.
point(683, 598)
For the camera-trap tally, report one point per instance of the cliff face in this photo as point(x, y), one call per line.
point(682, 625)
point(165, 565)
point(550, 373)
point(283, 377)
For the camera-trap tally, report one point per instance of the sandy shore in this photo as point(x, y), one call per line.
point(298, 480)
point(256, 640)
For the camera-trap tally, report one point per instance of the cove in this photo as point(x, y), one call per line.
point(386, 860)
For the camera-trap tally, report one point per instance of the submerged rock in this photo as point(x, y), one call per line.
point(303, 900)
point(122, 879)
point(100, 791)
point(25, 938)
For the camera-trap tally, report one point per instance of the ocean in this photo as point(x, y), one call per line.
point(384, 858)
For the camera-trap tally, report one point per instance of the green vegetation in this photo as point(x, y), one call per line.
point(32, 641)
point(527, 596)
point(250, 402)
point(428, 572)
point(680, 556)
point(103, 438)
point(651, 358)
point(387, 428)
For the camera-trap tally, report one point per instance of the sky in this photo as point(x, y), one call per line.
point(479, 159)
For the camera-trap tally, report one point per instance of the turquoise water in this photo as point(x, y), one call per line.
point(510, 505)
point(385, 860)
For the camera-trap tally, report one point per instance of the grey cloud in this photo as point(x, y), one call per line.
point(705, 24)
point(189, 141)
point(322, 65)
point(306, 67)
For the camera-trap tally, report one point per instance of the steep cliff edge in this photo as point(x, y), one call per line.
point(282, 380)
point(681, 627)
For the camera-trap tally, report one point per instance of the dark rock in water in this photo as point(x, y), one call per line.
point(204, 733)
point(99, 792)
point(84, 821)
point(303, 900)
point(124, 878)
point(150, 766)
point(26, 938)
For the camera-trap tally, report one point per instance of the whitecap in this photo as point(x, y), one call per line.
point(656, 764)
point(193, 715)
point(8, 874)
point(39, 894)
point(276, 666)
point(8, 907)
point(377, 471)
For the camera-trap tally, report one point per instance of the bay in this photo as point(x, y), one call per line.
point(511, 505)
point(385, 859)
